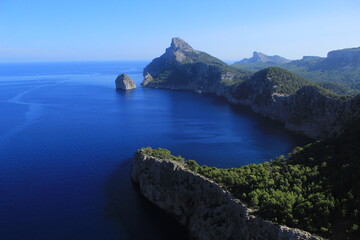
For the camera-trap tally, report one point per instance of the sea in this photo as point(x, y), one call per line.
point(67, 138)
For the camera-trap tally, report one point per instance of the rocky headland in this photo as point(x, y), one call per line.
point(302, 106)
point(124, 82)
point(204, 207)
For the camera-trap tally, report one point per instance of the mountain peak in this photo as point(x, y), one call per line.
point(177, 42)
point(259, 57)
point(255, 54)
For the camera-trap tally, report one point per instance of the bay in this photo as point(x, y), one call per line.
point(67, 139)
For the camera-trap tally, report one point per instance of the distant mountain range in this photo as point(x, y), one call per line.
point(340, 66)
point(259, 57)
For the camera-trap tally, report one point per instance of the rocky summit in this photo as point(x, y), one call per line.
point(259, 57)
point(124, 82)
point(183, 68)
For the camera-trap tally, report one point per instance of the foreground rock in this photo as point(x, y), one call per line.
point(208, 211)
point(124, 82)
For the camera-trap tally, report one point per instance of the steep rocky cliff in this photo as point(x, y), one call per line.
point(301, 105)
point(340, 59)
point(273, 92)
point(124, 82)
point(183, 68)
point(208, 211)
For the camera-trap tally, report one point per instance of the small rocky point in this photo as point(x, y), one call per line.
point(124, 82)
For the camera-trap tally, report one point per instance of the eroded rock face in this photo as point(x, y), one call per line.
point(345, 58)
point(307, 111)
point(208, 211)
point(183, 68)
point(124, 82)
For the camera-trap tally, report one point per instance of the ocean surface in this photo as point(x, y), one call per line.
point(67, 138)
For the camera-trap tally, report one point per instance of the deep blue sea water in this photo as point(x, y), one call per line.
point(67, 137)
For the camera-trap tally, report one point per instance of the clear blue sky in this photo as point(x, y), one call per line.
point(50, 30)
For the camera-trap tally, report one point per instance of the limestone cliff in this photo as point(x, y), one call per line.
point(124, 82)
point(208, 211)
point(183, 68)
point(273, 92)
point(341, 59)
point(302, 106)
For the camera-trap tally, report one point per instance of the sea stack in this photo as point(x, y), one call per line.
point(124, 82)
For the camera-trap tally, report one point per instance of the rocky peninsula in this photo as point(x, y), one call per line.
point(204, 207)
point(276, 93)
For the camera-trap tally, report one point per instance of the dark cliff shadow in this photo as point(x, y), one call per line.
point(134, 214)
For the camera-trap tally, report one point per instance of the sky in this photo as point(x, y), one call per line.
point(79, 30)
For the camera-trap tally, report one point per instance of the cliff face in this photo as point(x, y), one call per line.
point(338, 59)
point(183, 68)
point(273, 92)
point(304, 108)
point(208, 212)
point(124, 82)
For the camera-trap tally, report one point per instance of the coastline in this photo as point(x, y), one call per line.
point(201, 205)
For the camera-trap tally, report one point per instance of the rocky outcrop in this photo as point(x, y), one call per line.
point(208, 211)
point(340, 59)
point(124, 82)
point(302, 106)
point(183, 68)
point(305, 108)
point(259, 57)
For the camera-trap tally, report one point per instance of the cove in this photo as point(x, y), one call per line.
point(67, 137)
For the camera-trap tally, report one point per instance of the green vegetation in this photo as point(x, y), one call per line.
point(162, 154)
point(187, 73)
point(284, 82)
point(339, 89)
point(255, 66)
point(346, 77)
point(316, 189)
point(204, 58)
point(316, 69)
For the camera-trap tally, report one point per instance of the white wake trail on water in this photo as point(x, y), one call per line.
point(31, 115)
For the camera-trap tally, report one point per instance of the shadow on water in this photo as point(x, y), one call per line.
point(135, 215)
point(262, 123)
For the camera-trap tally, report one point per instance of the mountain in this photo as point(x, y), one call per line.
point(307, 61)
point(276, 93)
point(339, 88)
point(182, 67)
point(260, 60)
point(348, 58)
point(340, 66)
